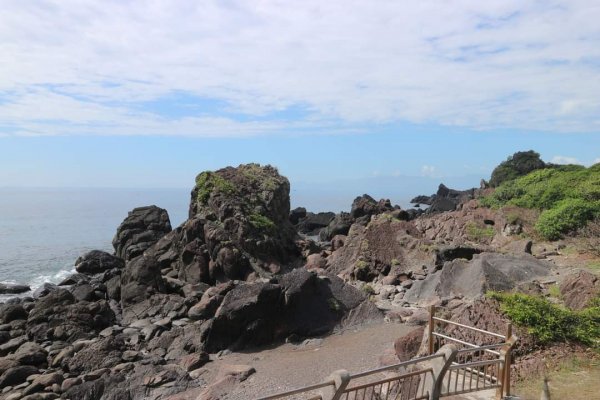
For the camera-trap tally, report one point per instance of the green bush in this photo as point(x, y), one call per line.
point(517, 165)
point(549, 322)
point(567, 195)
point(566, 216)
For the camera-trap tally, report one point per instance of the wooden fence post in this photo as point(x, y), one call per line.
point(431, 329)
point(507, 361)
point(341, 379)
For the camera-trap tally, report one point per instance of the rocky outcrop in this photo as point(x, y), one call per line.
point(311, 224)
point(445, 199)
point(579, 289)
point(97, 261)
point(299, 303)
point(472, 279)
point(143, 227)
point(365, 205)
point(11, 288)
point(386, 247)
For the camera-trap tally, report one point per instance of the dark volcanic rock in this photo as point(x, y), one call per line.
point(143, 227)
point(141, 279)
point(299, 303)
point(10, 288)
point(445, 199)
point(311, 224)
point(365, 205)
point(104, 353)
point(97, 261)
point(246, 212)
point(339, 225)
point(58, 316)
point(16, 375)
point(11, 312)
point(297, 214)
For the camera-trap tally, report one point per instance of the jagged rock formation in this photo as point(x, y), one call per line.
point(445, 199)
point(143, 227)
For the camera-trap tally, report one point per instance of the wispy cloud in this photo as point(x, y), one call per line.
point(428, 170)
point(565, 160)
point(72, 67)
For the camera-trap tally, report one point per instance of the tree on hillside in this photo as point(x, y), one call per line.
point(519, 164)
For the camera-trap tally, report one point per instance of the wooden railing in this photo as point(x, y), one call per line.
point(492, 352)
point(453, 366)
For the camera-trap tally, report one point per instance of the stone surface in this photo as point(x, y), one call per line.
point(142, 228)
point(97, 261)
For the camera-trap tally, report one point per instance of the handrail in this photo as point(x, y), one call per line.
point(469, 327)
point(473, 346)
point(388, 367)
point(298, 390)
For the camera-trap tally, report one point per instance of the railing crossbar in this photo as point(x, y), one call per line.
point(392, 379)
point(395, 366)
point(299, 390)
point(473, 346)
point(468, 327)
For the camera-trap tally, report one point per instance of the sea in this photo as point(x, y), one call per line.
point(43, 231)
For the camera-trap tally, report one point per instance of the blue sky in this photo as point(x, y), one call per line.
point(343, 97)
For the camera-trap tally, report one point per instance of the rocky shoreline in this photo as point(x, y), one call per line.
point(243, 271)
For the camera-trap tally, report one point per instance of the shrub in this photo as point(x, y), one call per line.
point(566, 216)
point(519, 164)
point(549, 322)
point(567, 195)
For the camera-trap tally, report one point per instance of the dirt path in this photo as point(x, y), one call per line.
point(290, 366)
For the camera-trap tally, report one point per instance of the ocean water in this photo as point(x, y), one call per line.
point(43, 231)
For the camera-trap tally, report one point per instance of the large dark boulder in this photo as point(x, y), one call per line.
point(339, 225)
point(472, 279)
point(247, 315)
point(311, 224)
point(300, 303)
point(365, 205)
point(11, 312)
point(140, 280)
point(97, 261)
point(445, 199)
point(16, 375)
point(58, 316)
point(143, 227)
point(246, 213)
point(10, 288)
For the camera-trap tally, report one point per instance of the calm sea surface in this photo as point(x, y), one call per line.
point(43, 231)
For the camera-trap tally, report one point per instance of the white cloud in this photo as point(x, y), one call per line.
point(428, 170)
point(71, 66)
point(565, 160)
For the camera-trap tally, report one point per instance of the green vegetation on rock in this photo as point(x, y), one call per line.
point(549, 322)
point(568, 197)
point(479, 234)
point(208, 182)
point(519, 164)
point(262, 223)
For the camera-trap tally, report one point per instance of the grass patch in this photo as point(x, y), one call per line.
point(574, 379)
point(368, 289)
point(262, 223)
point(209, 182)
point(479, 234)
point(554, 291)
point(549, 322)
